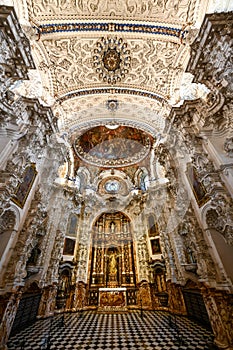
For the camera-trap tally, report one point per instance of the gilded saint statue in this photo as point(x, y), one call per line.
point(112, 227)
point(112, 264)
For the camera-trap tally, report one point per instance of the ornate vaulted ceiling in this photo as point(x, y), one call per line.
point(92, 52)
point(167, 10)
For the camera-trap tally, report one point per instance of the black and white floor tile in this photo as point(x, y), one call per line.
point(88, 330)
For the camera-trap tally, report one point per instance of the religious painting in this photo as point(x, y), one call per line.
point(25, 186)
point(155, 246)
point(69, 246)
point(198, 188)
point(153, 227)
point(72, 225)
point(115, 298)
point(113, 147)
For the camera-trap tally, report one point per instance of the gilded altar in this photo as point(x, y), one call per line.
point(112, 258)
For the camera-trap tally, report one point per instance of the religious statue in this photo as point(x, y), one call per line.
point(34, 256)
point(112, 227)
point(112, 264)
point(64, 285)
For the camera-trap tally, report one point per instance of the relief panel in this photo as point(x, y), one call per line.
point(168, 10)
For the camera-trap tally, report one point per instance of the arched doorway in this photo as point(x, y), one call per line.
point(28, 308)
point(194, 302)
point(112, 263)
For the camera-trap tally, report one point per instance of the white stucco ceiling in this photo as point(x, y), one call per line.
point(64, 35)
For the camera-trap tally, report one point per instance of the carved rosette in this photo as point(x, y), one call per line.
point(111, 59)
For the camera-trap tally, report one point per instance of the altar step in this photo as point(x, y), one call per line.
point(112, 310)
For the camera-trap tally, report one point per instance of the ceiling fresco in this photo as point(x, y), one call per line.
point(121, 146)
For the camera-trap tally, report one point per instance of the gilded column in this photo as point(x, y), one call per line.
point(9, 316)
point(220, 309)
point(48, 301)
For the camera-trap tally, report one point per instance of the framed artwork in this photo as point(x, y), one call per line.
point(155, 246)
point(72, 225)
point(69, 245)
point(25, 186)
point(153, 229)
point(198, 188)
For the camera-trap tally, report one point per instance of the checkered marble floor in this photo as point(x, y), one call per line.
point(121, 331)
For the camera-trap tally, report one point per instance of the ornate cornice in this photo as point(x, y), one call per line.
point(111, 90)
point(211, 51)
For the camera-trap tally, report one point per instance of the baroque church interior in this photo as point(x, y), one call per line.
point(116, 170)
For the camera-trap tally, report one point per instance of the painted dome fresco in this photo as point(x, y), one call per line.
point(105, 146)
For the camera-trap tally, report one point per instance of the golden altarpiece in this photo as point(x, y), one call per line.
point(112, 265)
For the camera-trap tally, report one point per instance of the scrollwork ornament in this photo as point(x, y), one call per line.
point(7, 221)
point(228, 146)
point(220, 216)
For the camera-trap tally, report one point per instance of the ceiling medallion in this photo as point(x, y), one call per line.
point(112, 105)
point(111, 59)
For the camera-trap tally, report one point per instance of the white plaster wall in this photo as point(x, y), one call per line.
point(220, 6)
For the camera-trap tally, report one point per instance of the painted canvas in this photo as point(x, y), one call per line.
point(155, 246)
point(69, 246)
point(25, 186)
point(197, 186)
point(153, 227)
